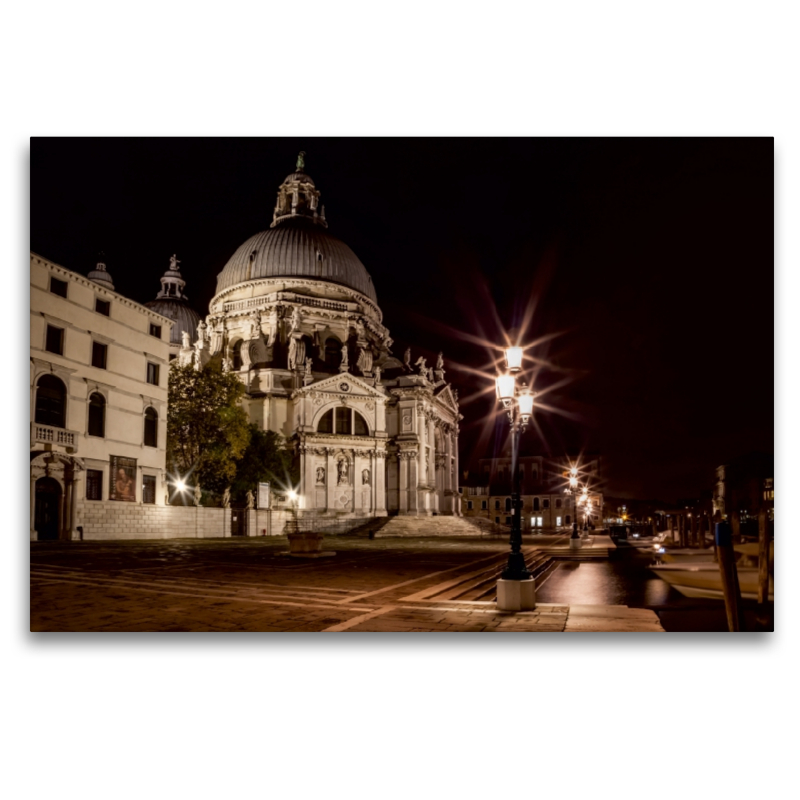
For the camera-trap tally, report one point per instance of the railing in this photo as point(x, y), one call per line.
point(50, 435)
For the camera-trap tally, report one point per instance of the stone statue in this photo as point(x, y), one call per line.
point(251, 501)
point(407, 359)
point(291, 359)
point(255, 325)
point(173, 263)
point(455, 395)
point(309, 362)
point(226, 497)
point(186, 340)
point(360, 330)
point(345, 365)
point(227, 364)
point(272, 326)
point(364, 362)
point(377, 373)
point(301, 161)
point(198, 493)
point(320, 474)
point(201, 335)
point(342, 468)
point(294, 323)
point(423, 369)
point(440, 361)
point(365, 477)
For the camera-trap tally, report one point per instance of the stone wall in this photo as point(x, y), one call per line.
point(113, 520)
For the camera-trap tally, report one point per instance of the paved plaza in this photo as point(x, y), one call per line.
point(391, 584)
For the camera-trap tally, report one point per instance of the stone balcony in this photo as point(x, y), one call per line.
point(47, 434)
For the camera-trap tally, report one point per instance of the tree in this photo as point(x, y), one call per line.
point(207, 430)
point(266, 459)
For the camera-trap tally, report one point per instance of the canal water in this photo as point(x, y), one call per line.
point(624, 579)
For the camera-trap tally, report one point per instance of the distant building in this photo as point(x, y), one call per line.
point(547, 503)
point(98, 398)
point(745, 485)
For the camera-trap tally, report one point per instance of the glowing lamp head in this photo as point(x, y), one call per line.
point(525, 403)
point(505, 385)
point(293, 495)
point(180, 485)
point(513, 359)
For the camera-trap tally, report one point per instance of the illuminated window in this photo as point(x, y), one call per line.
point(558, 522)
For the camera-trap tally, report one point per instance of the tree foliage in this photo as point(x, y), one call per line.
point(207, 430)
point(266, 459)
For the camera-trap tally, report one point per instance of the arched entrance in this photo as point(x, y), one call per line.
point(47, 510)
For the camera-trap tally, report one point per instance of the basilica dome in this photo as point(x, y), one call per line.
point(297, 245)
point(172, 303)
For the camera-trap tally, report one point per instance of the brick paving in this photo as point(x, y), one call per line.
point(253, 585)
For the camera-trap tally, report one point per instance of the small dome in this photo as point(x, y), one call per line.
point(297, 247)
point(186, 318)
point(100, 276)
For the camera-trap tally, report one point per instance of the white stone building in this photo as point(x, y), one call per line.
point(98, 400)
point(296, 316)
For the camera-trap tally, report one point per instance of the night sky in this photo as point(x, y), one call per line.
point(642, 268)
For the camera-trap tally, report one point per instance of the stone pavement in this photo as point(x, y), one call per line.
point(388, 584)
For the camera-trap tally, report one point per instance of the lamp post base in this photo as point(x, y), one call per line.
point(516, 595)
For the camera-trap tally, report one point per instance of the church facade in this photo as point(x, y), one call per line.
point(296, 317)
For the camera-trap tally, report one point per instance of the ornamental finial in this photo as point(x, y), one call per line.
point(301, 160)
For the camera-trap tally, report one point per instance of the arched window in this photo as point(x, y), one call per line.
point(344, 421)
point(97, 415)
point(151, 428)
point(558, 503)
point(51, 402)
point(333, 353)
point(535, 503)
point(237, 355)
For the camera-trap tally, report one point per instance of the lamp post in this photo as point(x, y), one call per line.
point(518, 403)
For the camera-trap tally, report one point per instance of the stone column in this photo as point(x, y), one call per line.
point(403, 460)
point(330, 479)
point(358, 466)
point(413, 480)
point(380, 483)
point(33, 507)
point(308, 478)
point(75, 497)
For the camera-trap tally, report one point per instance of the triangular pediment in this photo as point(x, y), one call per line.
point(446, 398)
point(344, 384)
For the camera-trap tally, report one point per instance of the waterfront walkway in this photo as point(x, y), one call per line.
point(386, 584)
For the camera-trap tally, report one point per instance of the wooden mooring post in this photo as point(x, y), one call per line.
point(764, 616)
point(730, 578)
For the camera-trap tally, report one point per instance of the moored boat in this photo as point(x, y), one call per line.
point(703, 579)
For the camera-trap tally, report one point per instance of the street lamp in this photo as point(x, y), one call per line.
point(518, 403)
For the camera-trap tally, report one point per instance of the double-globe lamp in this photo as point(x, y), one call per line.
point(518, 403)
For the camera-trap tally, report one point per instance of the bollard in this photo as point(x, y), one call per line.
point(730, 578)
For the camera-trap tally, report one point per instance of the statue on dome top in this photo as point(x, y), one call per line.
point(301, 161)
point(173, 263)
point(407, 359)
point(440, 361)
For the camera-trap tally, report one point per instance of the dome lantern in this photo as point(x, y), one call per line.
point(99, 274)
point(298, 197)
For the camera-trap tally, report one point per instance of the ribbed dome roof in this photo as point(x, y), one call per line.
point(296, 247)
point(186, 318)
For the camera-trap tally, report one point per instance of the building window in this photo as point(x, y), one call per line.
point(152, 373)
point(55, 340)
point(172, 356)
point(469, 505)
point(535, 503)
point(102, 307)
point(496, 505)
point(508, 520)
point(483, 505)
point(155, 330)
point(558, 522)
point(508, 504)
point(534, 476)
point(94, 484)
point(237, 355)
point(536, 522)
point(51, 402)
point(558, 504)
point(149, 489)
point(58, 287)
point(99, 354)
point(97, 415)
point(497, 520)
point(545, 503)
point(568, 519)
point(333, 353)
point(151, 428)
point(348, 422)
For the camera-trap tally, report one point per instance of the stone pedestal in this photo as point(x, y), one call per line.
point(516, 595)
point(305, 542)
point(574, 543)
